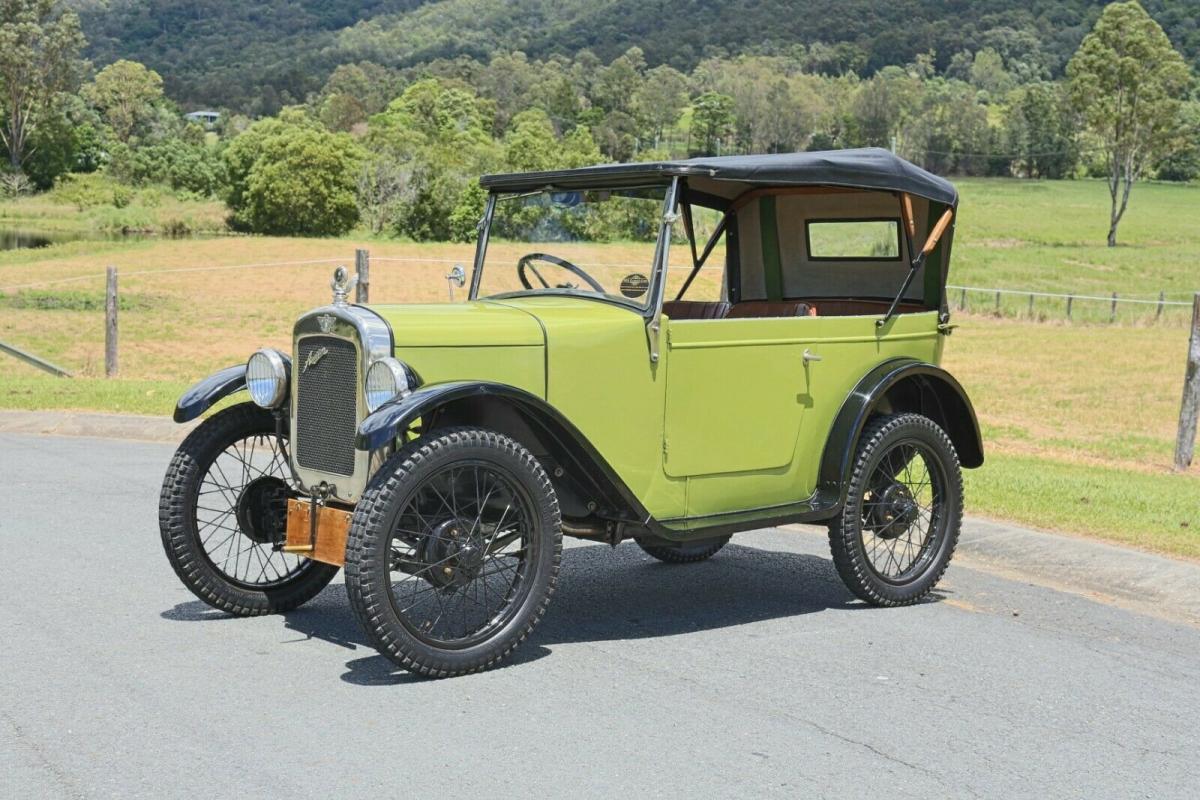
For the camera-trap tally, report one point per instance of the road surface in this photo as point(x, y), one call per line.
point(754, 674)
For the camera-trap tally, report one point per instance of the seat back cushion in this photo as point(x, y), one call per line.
point(767, 308)
point(689, 309)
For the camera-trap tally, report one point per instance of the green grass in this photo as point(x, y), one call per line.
point(96, 204)
point(41, 392)
point(1154, 511)
point(1050, 236)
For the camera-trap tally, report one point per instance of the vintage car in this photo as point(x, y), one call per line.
point(666, 352)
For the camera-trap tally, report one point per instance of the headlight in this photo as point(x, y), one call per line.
point(267, 378)
point(387, 379)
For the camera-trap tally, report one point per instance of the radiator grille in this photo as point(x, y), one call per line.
point(326, 405)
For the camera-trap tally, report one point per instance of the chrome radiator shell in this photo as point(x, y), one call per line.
point(327, 402)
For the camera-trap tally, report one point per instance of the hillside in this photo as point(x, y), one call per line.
point(255, 56)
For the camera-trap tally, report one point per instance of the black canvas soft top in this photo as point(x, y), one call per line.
point(865, 168)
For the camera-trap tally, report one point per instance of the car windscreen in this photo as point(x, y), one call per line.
point(597, 243)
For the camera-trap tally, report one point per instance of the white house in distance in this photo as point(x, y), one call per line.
point(205, 118)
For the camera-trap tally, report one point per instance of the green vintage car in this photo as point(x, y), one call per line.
point(666, 352)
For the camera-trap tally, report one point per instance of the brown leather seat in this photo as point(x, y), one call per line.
point(837, 307)
point(768, 308)
point(689, 309)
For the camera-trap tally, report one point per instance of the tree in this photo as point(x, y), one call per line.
point(1126, 80)
point(39, 58)
point(125, 93)
point(303, 184)
point(712, 121)
point(1041, 130)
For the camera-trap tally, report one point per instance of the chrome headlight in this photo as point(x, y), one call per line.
point(267, 378)
point(387, 379)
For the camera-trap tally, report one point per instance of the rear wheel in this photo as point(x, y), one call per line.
point(223, 517)
point(685, 552)
point(454, 551)
point(900, 524)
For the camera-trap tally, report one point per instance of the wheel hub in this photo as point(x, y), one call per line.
point(894, 510)
point(453, 553)
point(262, 510)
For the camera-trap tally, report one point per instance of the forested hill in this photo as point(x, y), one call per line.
point(255, 55)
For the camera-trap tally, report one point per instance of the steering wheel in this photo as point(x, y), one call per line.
point(526, 260)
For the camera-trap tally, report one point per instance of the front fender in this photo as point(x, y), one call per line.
point(200, 397)
point(937, 395)
point(480, 403)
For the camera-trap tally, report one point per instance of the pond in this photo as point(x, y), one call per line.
point(22, 238)
point(16, 239)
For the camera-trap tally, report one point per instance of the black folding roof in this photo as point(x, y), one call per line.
point(866, 168)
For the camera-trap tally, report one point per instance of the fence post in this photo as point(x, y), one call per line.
point(362, 268)
point(1031, 305)
point(962, 300)
point(110, 323)
point(997, 303)
point(1189, 410)
point(1112, 317)
point(1162, 296)
point(1070, 299)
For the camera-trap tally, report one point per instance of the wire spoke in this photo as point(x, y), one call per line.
point(463, 542)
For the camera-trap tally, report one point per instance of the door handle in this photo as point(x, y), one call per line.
point(809, 356)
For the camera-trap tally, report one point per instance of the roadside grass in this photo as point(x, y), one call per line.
point(1156, 511)
point(1069, 410)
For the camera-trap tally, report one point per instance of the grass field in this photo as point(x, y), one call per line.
point(1078, 419)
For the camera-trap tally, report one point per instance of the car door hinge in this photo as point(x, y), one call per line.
point(666, 449)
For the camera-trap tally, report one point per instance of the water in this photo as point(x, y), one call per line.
point(22, 239)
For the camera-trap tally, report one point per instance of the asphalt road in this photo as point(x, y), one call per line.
point(754, 674)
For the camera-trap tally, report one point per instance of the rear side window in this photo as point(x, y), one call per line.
point(853, 239)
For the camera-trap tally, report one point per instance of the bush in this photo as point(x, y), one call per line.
point(122, 196)
point(302, 183)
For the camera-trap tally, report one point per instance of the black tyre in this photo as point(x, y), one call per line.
point(223, 517)
point(900, 525)
point(686, 552)
point(454, 551)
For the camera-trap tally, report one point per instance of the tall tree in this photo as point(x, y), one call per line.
point(39, 58)
point(125, 93)
point(1127, 80)
point(712, 121)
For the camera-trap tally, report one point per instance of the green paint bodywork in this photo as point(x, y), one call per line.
point(730, 417)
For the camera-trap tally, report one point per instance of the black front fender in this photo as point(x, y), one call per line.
point(484, 403)
point(903, 385)
point(200, 397)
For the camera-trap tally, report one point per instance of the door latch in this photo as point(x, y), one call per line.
point(809, 356)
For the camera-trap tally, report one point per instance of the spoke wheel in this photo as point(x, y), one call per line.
point(899, 520)
point(454, 551)
point(458, 552)
point(223, 516)
point(903, 511)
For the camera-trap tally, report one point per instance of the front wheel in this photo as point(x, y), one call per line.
point(223, 517)
point(900, 524)
point(453, 552)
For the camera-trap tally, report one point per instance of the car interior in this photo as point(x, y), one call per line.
point(804, 251)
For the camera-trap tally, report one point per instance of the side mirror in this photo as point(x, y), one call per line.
point(456, 277)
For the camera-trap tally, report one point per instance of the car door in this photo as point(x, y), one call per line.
point(736, 393)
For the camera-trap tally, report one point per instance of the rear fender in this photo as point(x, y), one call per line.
point(900, 385)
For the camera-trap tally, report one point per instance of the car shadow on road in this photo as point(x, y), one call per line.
point(604, 595)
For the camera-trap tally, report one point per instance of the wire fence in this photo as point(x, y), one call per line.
point(1037, 306)
point(1026, 304)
